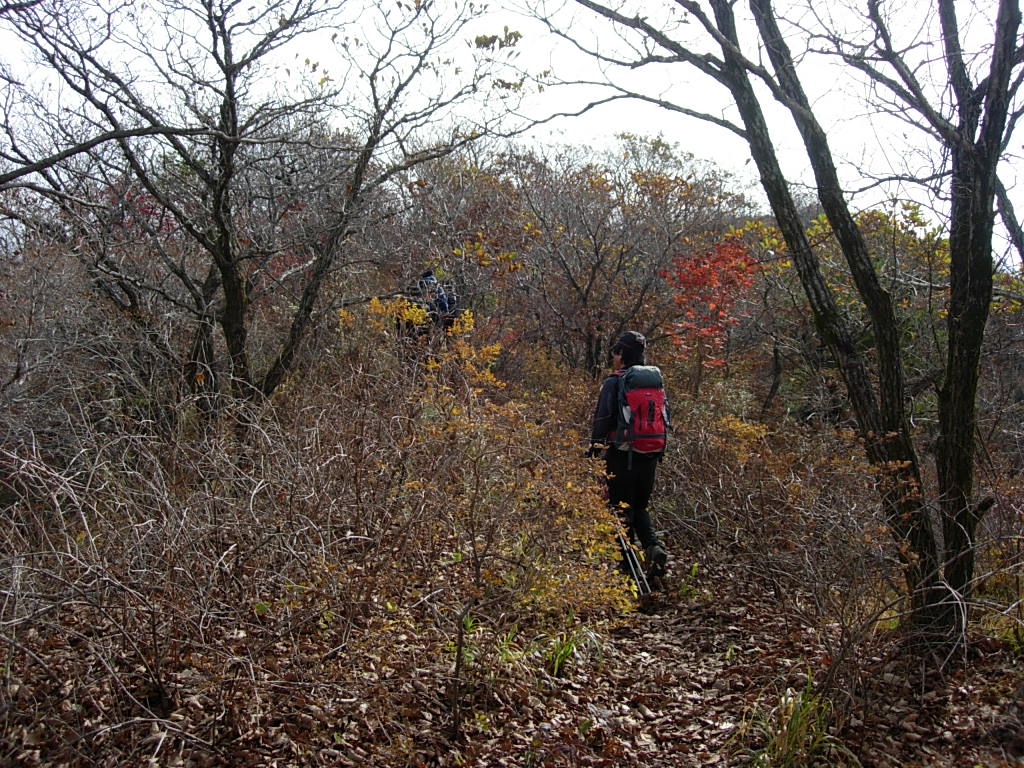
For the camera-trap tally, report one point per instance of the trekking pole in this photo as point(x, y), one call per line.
point(635, 569)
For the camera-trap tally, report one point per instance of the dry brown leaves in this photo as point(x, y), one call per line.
point(670, 687)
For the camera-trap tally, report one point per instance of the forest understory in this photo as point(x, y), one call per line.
point(438, 590)
point(299, 355)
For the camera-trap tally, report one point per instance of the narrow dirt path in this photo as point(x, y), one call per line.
point(673, 687)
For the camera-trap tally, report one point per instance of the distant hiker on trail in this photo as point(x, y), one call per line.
point(629, 427)
point(428, 293)
point(440, 306)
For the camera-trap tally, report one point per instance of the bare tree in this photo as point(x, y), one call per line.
point(607, 229)
point(207, 154)
point(969, 109)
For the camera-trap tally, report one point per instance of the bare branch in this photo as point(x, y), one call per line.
point(1009, 218)
point(87, 146)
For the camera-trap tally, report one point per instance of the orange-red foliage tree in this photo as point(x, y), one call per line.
point(707, 287)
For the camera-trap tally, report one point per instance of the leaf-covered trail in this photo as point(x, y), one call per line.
point(669, 687)
point(673, 687)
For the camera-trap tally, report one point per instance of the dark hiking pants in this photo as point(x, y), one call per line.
point(632, 485)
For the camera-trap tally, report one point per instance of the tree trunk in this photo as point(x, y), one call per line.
point(776, 379)
point(970, 296)
point(887, 441)
point(972, 216)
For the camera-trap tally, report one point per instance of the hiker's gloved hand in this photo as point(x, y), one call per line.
point(595, 451)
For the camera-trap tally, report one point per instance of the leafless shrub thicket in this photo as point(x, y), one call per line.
point(792, 508)
point(381, 537)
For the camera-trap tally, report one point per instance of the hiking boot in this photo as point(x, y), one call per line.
point(656, 558)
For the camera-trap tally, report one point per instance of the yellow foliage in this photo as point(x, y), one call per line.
point(383, 314)
point(346, 319)
point(463, 324)
point(524, 520)
point(738, 437)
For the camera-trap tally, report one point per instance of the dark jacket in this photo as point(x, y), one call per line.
point(605, 417)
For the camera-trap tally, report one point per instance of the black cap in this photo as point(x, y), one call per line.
point(633, 341)
point(631, 346)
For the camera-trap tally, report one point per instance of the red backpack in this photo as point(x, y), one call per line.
point(643, 421)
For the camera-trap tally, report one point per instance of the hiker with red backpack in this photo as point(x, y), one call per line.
point(630, 427)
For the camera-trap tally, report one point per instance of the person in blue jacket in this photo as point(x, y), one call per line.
point(439, 305)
